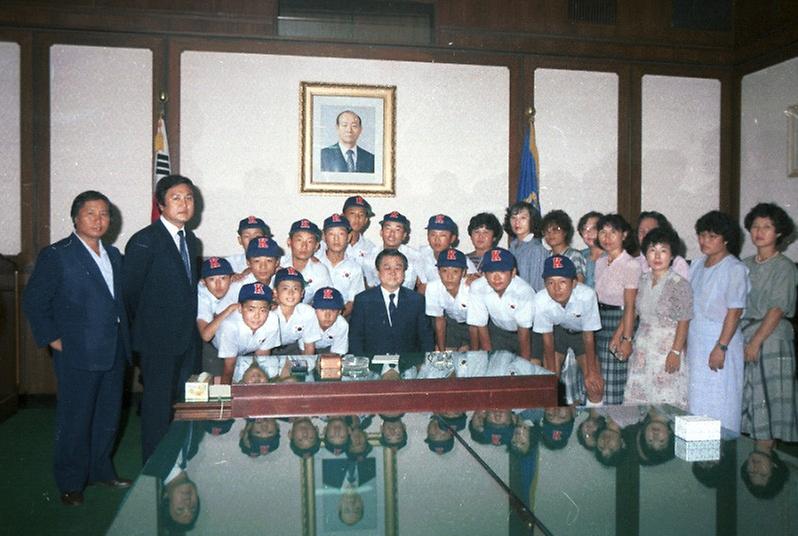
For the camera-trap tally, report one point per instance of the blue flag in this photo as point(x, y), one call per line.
point(528, 178)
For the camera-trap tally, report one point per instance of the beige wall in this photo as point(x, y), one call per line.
point(240, 140)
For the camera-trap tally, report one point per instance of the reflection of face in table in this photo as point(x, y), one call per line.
point(348, 495)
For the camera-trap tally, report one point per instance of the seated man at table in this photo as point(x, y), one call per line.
point(389, 318)
point(566, 315)
point(501, 305)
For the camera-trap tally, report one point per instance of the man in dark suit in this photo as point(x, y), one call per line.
point(74, 304)
point(160, 286)
point(389, 318)
point(335, 470)
point(346, 156)
point(179, 500)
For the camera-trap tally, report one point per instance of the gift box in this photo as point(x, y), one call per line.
point(696, 428)
point(330, 367)
point(697, 451)
point(197, 387)
point(219, 391)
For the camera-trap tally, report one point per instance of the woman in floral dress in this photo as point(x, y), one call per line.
point(657, 372)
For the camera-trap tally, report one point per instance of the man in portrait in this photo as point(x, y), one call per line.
point(346, 156)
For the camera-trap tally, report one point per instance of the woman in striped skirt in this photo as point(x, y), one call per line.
point(769, 390)
point(617, 276)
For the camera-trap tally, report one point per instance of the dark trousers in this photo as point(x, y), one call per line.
point(86, 422)
point(164, 377)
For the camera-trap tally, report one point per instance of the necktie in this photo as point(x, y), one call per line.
point(391, 307)
point(184, 253)
point(186, 445)
point(350, 161)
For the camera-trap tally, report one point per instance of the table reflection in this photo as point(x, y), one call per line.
point(404, 473)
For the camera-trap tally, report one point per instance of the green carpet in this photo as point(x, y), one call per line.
point(29, 499)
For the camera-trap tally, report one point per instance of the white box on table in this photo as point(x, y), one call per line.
point(696, 428)
point(197, 387)
point(697, 451)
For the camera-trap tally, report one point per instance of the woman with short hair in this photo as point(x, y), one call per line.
point(770, 386)
point(714, 342)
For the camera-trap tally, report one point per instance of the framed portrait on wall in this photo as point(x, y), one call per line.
point(347, 138)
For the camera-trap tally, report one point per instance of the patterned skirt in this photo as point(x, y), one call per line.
point(612, 370)
point(770, 398)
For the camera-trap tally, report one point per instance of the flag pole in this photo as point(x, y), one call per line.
point(163, 98)
point(161, 164)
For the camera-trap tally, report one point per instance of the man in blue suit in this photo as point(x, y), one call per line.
point(160, 285)
point(346, 156)
point(389, 318)
point(74, 305)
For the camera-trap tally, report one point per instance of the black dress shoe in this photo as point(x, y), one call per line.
point(117, 483)
point(72, 498)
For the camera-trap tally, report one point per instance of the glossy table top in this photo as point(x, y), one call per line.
point(441, 481)
point(417, 382)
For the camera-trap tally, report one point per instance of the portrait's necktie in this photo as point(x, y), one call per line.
point(391, 307)
point(350, 161)
point(184, 253)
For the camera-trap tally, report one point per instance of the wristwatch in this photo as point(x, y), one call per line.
point(723, 347)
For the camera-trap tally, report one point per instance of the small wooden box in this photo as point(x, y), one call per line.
point(329, 367)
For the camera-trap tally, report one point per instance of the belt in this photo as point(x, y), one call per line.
point(608, 307)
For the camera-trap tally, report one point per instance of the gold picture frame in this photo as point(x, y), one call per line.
point(329, 164)
point(314, 493)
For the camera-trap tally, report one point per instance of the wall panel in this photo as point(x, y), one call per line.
point(680, 150)
point(763, 142)
point(101, 132)
point(10, 149)
point(577, 138)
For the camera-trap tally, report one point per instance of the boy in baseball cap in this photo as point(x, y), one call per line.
point(251, 332)
point(501, 305)
point(212, 308)
point(395, 234)
point(346, 273)
point(328, 304)
point(303, 242)
point(297, 320)
point(447, 304)
point(358, 212)
point(441, 235)
point(263, 260)
point(248, 228)
point(566, 316)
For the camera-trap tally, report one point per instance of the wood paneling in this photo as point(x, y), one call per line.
point(9, 339)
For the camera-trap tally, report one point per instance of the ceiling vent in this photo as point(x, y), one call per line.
point(362, 21)
point(593, 11)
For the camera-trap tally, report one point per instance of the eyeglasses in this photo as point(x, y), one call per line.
point(553, 229)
